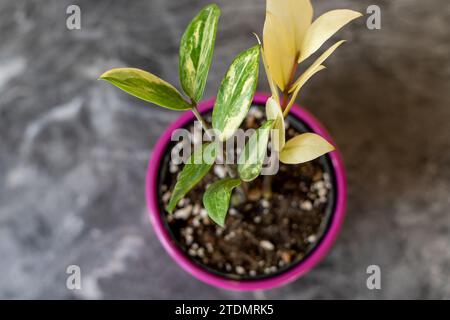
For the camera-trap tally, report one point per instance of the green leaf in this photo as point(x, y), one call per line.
point(196, 167)
point(146, 86)
point(196, 51)
point(252, 157)
point(217, 199)
point(236, 93)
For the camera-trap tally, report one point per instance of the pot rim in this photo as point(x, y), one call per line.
point(289, 275)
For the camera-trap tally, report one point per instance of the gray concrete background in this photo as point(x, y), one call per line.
point(74, 151)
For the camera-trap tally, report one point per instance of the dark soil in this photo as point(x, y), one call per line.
point(260, 237)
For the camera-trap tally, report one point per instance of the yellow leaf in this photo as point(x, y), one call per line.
point(313, 68)
point(273, 112)
point(299, 84)
point(323, 28)
point(304, 148)
point(279, 48)
point(272, 85)
point(295, 15)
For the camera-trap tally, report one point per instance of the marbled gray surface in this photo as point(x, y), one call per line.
point(74, 151)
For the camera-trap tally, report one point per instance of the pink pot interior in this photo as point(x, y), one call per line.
point(276, 280)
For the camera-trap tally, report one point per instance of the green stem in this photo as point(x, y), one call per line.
point(230, 170)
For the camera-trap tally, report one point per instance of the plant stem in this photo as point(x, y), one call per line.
point(267, 180)
point(267, 187)
point(241, 192)
point(230, 170)
point(200, 118)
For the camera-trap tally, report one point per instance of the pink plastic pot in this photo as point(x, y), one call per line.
point(306, 264)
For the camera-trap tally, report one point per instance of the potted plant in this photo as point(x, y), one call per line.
point(262, 212)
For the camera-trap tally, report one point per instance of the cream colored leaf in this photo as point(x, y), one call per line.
point(273, 112)
point(303, 148)
point(295, 15)
point(323, 28)
point(312, 69)
point(299, 84)
point(279, 49)
point(272, 85)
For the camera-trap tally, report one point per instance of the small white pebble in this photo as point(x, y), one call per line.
point(257, 219)
point(266, 245)
point(196, 221)
point(203, 213)
point(318, 185)
point(322, 192)
point(258, 114)
point(196, 209)
point(233, 211)
point(201, 252)
point(240, 270)
point(252, 273)
point(265, 203)
point(312, 238)
point(183, 213)
point(230, 235)
point(173, 168)
point(220, 171)
point(182, 202)
point(306, 205)
point(189, 239)
point(192, 252)
point(228, 267)
point(166, 196)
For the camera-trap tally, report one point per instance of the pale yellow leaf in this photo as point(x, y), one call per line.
point(313, 68)
point(323, 28)
point(299, 84)
point(303, 148)
point(295, 15)
point(273, 112)
point(279, 49)
point(272, 85)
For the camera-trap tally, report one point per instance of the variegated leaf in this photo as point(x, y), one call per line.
point(146, 86)
point(196, 51)
point(252, 157)
point(217, 199)
point(236, 93)
point(196, 167)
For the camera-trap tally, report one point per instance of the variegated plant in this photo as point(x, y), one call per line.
point(289, 38)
